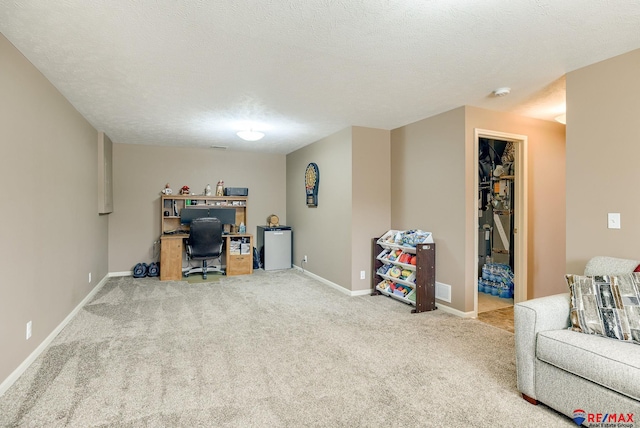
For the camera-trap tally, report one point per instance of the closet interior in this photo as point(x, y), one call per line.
point(496, 192)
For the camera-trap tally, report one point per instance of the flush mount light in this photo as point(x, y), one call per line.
point(250, 135)
point(501, 92)
point(562, 119)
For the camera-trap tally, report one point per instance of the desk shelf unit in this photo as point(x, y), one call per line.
point(419, 278)
point(173, 204)
point(173, 234)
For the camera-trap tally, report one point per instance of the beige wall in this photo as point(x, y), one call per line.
point(140, 172)
point(432, 165)
point(323, 233)
point(427, 176)
point(370, 198)
point(427, 179)
point(353, 204)
point(603, 148)
point(51, 235)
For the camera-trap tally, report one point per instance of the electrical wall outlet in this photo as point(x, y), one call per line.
point(28, 330)
point(305, 258)
point(362, 274)
point(89, 277)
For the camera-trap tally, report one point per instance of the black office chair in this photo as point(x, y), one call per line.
point(204, 243)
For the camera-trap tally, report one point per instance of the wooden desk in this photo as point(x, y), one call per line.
point(172, 247)
point(238, 254)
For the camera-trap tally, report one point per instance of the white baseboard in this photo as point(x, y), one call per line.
point(368, 292)
point(10, 380)
point(327, 282)
point(455, 312)
point(116, 274)
point(361, 292)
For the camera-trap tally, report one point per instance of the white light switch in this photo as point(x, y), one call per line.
point(613, 221)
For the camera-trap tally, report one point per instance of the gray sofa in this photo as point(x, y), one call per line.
point(567, 370)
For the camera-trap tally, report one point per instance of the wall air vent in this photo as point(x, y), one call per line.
point(443, 292)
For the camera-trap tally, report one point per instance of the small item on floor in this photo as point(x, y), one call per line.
point(140, 270)
point(497, 280)
point(153, 269)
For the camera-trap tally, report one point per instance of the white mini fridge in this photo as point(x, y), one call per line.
point(275, 247)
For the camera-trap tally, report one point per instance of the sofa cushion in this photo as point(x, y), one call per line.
point(606, 305)
point(603, 265)
point(612, 364)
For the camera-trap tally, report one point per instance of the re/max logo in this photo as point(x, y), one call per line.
point(604, 420)
point(610, 417)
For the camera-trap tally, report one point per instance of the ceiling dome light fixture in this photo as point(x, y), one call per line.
point(250, 135)
point(562, 119)
point(501, 92)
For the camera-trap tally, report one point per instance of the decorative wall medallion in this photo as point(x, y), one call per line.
point(312, 182)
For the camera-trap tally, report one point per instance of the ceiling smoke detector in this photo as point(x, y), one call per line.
point(501, 92)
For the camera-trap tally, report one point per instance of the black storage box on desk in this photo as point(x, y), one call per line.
point(236, 191)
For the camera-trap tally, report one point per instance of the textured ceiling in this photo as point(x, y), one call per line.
point(192, 73)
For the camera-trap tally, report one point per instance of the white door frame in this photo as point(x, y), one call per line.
point(520, 229)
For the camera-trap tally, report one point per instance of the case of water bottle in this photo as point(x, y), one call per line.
point(497, 280)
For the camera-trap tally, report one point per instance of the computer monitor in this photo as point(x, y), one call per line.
point(187, 215)
point(225, 215)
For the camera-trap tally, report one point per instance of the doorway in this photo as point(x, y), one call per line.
point(501, 195)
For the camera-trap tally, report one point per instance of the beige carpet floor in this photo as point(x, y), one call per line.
point(275, 349)
point(196, 278)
